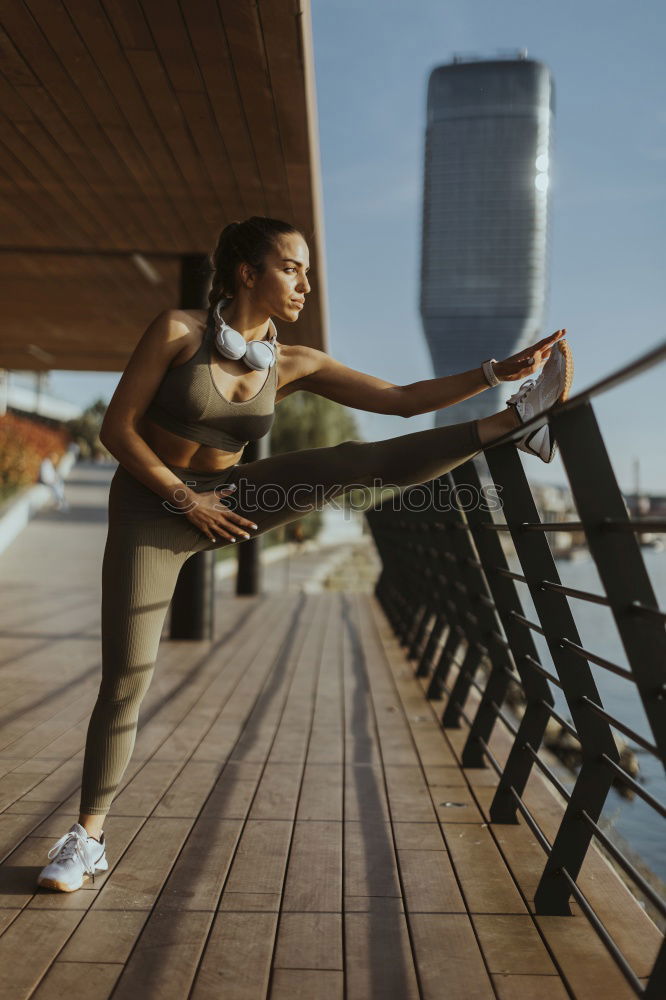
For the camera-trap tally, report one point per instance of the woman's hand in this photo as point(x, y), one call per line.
point(215, 519)
point(527, 361)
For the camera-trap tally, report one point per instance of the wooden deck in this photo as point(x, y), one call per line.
point(293, 823)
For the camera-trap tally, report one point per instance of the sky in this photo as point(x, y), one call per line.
point(607, 185)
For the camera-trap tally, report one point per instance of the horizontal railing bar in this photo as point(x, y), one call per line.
point(507, 722)
point(635, 786)
point(542, 670)
point(581, 595)
point(606, 523)
point(514, 677)
point(625, 864)
point(544, 843)
point(483, 744)
point(473, 682)
point(469, 721)
point(527, 622)
point(551, 526)
point(498, 710)
point(499, 639)
point(598, 710)
point(575, 648)
point(631, 524)
point(562, 721)
point(635, 607)
point(604, 715)
point(547, 771)
point(643, 609)
point(491, 757)
point(599, 660)
point(612, 948)
point(502, 571)
point(534, 526)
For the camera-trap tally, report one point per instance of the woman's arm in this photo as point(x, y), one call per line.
point(315, 371)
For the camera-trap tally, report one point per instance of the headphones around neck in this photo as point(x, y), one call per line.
point(257, 354)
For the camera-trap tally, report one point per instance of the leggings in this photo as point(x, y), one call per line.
point(148, 541)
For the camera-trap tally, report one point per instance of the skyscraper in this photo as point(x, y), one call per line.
point(485, 217)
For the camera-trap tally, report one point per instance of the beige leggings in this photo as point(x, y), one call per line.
point(147, 544)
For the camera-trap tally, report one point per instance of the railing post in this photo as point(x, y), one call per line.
point(629, 590)
point(446, 658)
point(440, 626)
point(538, 697)
point(594, 779)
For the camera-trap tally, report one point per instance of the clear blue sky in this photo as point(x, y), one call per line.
point(608, 184)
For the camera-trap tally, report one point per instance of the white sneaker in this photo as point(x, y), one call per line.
point(538, 395)
point(75, 857)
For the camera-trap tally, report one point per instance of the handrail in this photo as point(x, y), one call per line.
point(445, 574)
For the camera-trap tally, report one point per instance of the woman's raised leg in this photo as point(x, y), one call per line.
point(281, 488)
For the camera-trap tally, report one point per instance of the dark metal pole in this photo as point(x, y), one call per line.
point(248, 579)
point(192, 604)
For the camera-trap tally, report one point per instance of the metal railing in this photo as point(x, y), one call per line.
point(446, 581)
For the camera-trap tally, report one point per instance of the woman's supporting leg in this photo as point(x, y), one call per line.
point(140, 568)
point(281, 488)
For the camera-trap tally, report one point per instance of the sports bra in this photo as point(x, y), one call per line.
point(189, 403)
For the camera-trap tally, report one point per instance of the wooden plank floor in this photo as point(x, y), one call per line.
point(293, 823)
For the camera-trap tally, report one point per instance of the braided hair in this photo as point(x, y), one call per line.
point(242, 242)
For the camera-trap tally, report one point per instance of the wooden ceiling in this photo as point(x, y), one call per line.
point(132, 131)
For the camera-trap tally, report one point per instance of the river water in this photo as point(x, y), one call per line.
point(635, 822)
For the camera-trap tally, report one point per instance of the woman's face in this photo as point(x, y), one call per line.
point(281, 288)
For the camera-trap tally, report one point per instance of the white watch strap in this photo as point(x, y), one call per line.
point(490, 376)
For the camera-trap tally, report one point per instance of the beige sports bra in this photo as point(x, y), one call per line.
point(189, 403)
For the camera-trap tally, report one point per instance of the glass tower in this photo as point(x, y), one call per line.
point(485, 217)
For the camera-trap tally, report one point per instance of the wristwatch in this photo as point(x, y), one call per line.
point(491, 377)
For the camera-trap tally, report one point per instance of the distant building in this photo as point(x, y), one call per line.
point(485, 217)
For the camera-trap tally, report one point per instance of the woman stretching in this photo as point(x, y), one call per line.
point(199, 386)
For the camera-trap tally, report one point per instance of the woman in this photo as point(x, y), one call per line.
point(192, 395)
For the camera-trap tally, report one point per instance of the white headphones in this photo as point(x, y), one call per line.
point(257, 354)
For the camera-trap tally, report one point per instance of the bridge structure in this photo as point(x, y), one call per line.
point(332, 796)
point(329, 795)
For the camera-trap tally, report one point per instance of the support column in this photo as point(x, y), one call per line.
point(248, 579)
point(192, 604)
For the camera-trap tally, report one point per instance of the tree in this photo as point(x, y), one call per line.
point(306, 420)
point(85, 430)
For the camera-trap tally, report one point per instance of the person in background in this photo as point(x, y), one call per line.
point(49, 475)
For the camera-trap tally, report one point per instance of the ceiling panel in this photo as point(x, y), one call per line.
point(143, 128)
